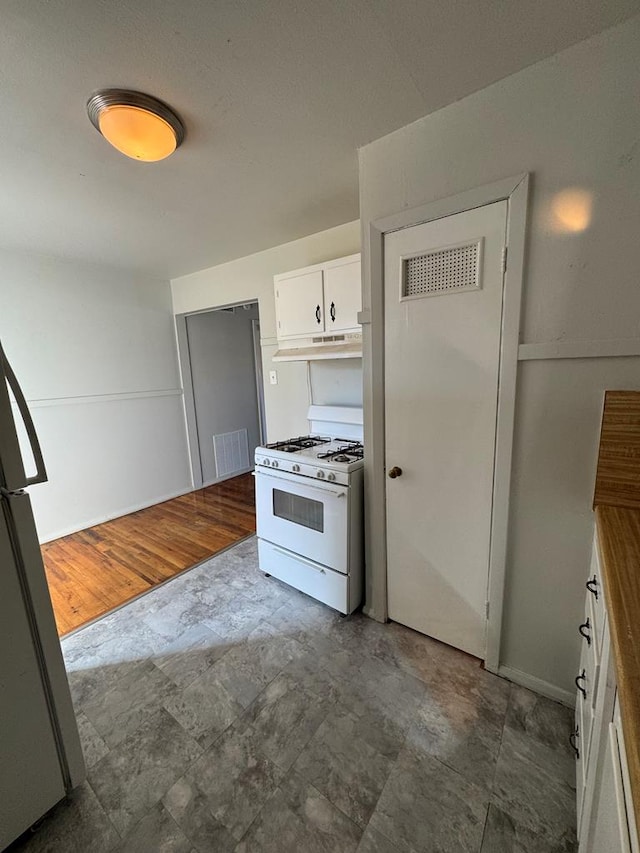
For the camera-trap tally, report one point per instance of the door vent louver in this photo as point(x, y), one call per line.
point(451, 269)
point(231, 451)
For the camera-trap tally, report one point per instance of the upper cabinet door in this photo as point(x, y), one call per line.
point(342, 297)
point(299, 305)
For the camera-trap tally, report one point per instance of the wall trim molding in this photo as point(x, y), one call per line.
point(538, 685)
point(124, 511)
point(102, 398)
point(579, 349)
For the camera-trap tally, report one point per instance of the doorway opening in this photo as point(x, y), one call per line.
point(221, 364)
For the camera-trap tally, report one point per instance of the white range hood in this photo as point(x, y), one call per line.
point(329, 347)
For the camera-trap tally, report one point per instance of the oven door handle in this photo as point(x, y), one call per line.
point(306, 485)
point(299, 559)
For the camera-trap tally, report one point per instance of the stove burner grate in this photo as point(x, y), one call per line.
point(348, 453)
point(302, 442)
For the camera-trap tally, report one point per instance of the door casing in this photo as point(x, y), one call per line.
point(515, 191)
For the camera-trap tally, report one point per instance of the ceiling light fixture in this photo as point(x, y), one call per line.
point(136, 124)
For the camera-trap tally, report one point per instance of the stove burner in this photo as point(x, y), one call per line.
point(293, 445)
point(349, 453)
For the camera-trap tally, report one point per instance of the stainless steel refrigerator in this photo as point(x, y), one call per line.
point(40, 753)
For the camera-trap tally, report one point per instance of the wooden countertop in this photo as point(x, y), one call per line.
point(619, 538)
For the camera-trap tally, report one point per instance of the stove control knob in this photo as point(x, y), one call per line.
point(331, 476)
point(274, 464)
point(265, 462)
point(295, 468)
point(320, 474)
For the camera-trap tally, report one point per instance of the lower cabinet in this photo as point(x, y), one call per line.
point(606, 822)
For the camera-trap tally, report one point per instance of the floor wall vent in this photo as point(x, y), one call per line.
point(231, 451)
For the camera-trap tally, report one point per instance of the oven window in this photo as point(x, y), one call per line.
point(299, 510)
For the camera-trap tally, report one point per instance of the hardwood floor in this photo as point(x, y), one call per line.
point(95, 570)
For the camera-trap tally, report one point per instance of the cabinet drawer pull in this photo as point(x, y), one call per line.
point(318, 315)
point(592, 586)
point(584, 631)
point(332, 312)
point(572, 740)
point(578, 679)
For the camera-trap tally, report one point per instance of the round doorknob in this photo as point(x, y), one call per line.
point(395, 472)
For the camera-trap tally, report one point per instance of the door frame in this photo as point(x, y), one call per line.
point(514, 190)
point(188, 395)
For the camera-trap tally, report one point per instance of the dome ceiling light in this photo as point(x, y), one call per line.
point(136, 124)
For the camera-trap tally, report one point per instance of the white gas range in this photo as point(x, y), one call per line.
point(309, 508)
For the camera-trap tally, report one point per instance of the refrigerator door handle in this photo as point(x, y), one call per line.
point(41, 472)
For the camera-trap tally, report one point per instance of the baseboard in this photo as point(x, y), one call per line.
point(124, 511)
point(538, 685)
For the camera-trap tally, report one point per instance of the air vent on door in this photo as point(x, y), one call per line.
point(231, 451)
point(451, 269)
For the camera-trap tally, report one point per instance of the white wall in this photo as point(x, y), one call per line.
point(251, 278)
point(573, 122)
point(94, 350)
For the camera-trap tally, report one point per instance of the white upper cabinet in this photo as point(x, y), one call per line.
point(342, 297)
point(300, 305)
point(319, 300)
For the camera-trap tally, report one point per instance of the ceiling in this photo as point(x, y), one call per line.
point(276, 98)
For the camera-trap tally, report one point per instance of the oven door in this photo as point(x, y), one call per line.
point(306, 517)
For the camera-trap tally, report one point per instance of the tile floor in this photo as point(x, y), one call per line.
point(227, 712)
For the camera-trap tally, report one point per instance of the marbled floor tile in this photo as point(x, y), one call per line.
point(503, 835)
point(535, 784)
point(191, 811)
point(182, 611)
point(287, 713)
point(249, 666)
point(427, 807)
point(373, 841)
point(238, 618)
point(308, 622)
point(340, 761)
point(157, 832)
point(270, 593)
point(137, 773)
point(234, 778)
point(113, 640)
point(93, 746)
point(463, 734)
point(542, 719)
point(187, 656)
point(372, 688)
point(89, 684)
point(205, 708)
point(76, 825)
point(121, 709)
point(298, 818)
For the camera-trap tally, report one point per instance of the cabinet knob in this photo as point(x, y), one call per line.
point(318, 314)
point(584, 631)
point(578, 679)
point(572, 740)
point(332, 312)
point(592, 586)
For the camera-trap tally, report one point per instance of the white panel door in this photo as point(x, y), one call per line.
point(443, 312)
point(299, 305)
point(342, 297)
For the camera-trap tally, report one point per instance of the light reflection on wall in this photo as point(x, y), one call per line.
point(571, 210)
